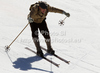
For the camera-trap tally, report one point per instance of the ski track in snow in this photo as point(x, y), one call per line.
point(77, 41)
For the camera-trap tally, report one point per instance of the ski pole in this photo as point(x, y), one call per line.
point(64, 18)
point(61, 22)
point(7, 47)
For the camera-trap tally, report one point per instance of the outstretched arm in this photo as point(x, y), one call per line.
point(57, 10)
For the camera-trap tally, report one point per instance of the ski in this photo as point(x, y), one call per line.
point(57, 56)
point(43, 57)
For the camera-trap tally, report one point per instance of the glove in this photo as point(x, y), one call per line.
point(30, 20)
point(67, 14)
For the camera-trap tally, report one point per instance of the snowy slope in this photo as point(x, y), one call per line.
point(77, 41)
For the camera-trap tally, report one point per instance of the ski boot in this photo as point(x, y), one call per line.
point(51, 51)
point(49, 48)
point(40, 53)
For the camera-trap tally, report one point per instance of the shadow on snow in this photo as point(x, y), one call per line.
point(25, 63)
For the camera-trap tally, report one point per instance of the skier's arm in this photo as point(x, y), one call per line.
point(57, 10)
point(53, 9)
point(33, 11)
point(31, 14)
point(30, 19)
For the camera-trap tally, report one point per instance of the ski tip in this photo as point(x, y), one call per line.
point(68, 62)
point(58, 65)
point(26, 48)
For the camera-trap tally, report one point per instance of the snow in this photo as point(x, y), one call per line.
point(77, 41)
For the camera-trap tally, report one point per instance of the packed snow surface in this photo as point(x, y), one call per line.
point(78, 41)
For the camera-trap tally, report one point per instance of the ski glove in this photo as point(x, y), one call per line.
point(30, 20)
point(67, 14)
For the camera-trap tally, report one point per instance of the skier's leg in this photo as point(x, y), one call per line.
point(34, 29)
point(45, 32)
point(37, 44)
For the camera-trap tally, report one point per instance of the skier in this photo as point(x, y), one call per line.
point(36, 18)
